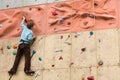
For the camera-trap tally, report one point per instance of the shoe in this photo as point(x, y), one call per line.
point(29, 72)
point(11, 72)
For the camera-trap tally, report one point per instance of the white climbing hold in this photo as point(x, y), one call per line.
point(1, 25)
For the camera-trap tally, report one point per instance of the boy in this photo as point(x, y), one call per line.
point(24, 47)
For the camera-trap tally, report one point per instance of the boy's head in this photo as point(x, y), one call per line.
point(30, 24)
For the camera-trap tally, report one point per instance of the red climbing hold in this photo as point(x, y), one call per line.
point(53, 65)
point(90, 78)
point(61, 58)
point(54, 13)
point(69, 23)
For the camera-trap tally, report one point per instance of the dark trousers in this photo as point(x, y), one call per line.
point(22, 49)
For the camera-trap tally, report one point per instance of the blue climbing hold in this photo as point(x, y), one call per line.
point(91, 32)
point(33, 52)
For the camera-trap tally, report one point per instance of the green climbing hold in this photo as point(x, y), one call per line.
point(8, 47)
point(40, 59)
point(14, 53)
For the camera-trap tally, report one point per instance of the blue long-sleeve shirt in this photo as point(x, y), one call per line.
point(27, 33)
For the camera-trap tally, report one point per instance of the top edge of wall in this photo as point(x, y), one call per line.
point(22, 3)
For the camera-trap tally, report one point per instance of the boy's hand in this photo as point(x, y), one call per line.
point(23, 18)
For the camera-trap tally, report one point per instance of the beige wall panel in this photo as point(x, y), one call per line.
point(107, 46)
point(56, 74)
point(20, 75)
point(83, 58)
point(57, 51)
point(37, 60)
point(83, 73)
point(7, 57)
point(109, 73)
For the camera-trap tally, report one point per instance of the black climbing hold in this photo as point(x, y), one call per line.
point(75, 36)
point(7, 5)
point(83, 49)
point(68, 35)
point(61, 37)
point(100, 63)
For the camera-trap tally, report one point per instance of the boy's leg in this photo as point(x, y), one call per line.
point(27, 60)
point(17, 60)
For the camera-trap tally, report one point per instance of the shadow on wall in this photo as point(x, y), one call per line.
point(62, 17)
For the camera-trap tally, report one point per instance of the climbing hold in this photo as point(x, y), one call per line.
point(85, 23)
point(67, 37)
point(90, 78)
point(60, 20)
point(60, 58)
point(33, 52)
point(54, 13)
point(39, 9)
point(30, 9)
point(67, 43)
point(8, 47)
point(53, 65)
point(100, 63)
point(40, 59)
point(71, 64)
point(1, 25)
point(14, 53)
point(15, 46)
point(18, 29)
point(61, 37)
point(69, 23)
point(59, 51)
point(77, 35)
point(91, 33)
point(95, 4)
point(10, 21)
point(82, 78)
point(83, 49)
point(99, 40)
point(2, 50)
point(7, 5)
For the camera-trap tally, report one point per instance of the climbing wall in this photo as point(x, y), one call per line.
point(76, 39)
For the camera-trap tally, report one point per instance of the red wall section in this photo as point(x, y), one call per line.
point(62, 17)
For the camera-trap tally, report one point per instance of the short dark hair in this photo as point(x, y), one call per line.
point(30, 24)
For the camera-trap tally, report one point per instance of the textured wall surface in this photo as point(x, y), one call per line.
point(70, 49)
point(61, 17)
